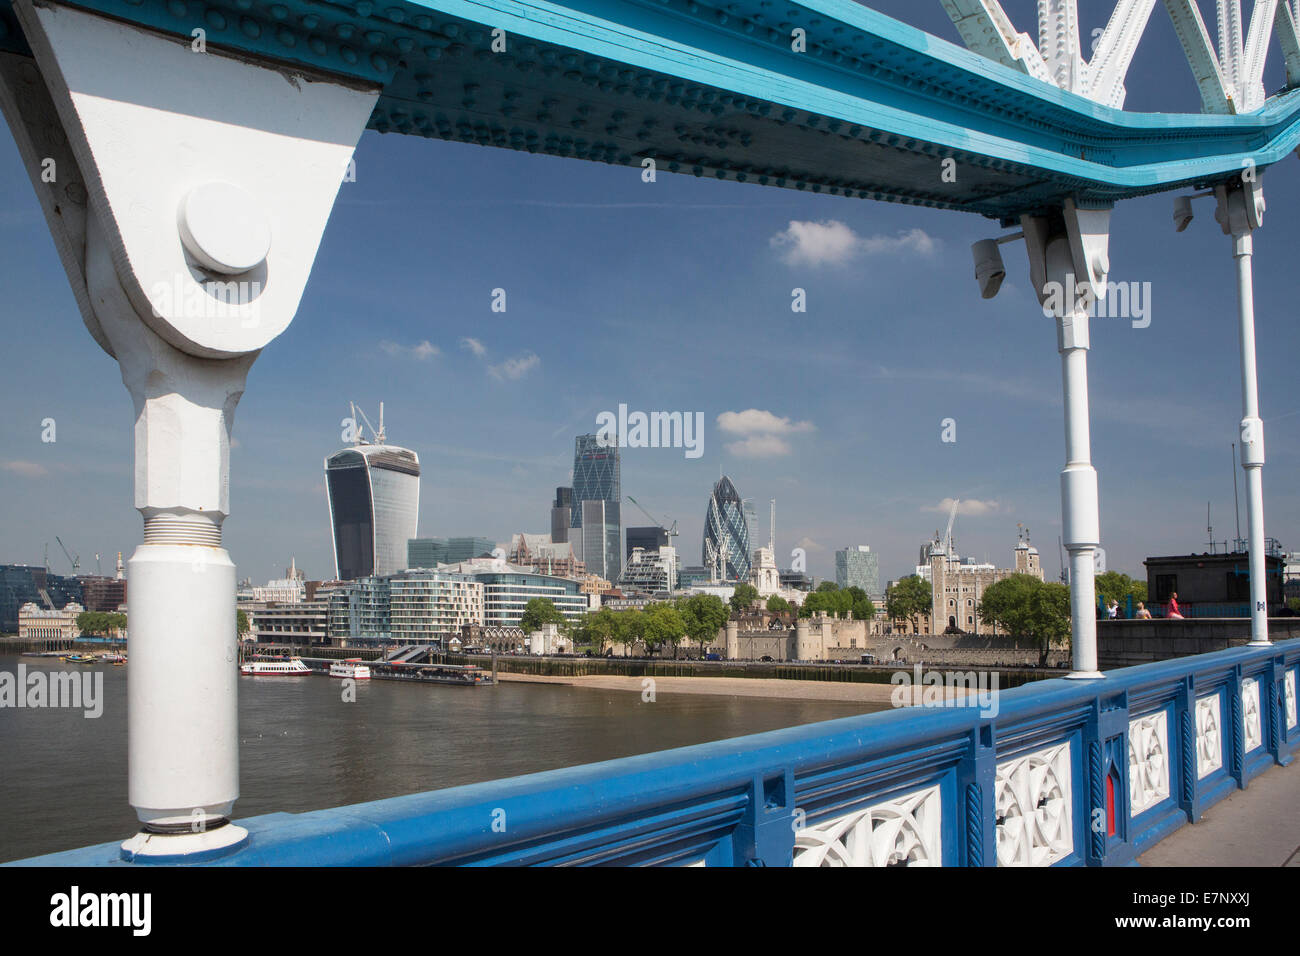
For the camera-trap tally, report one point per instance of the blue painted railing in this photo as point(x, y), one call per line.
point(1064, 773)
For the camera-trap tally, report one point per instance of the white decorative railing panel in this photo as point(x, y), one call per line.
point(1148, 761)
point(1033, 796)
point(905, 831)
point(1209, 736)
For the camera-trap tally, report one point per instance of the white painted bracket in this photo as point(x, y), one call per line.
point(1068, 282)
point(1240, 207)
point(161, 141)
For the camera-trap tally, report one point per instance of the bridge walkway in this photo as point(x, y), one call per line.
point(1258, 826)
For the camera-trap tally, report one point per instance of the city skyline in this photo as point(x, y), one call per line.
point(677, 295)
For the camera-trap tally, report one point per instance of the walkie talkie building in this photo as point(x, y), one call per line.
point(374, 498)
point(726, 533)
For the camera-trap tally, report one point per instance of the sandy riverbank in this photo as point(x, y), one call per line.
point(725, 686)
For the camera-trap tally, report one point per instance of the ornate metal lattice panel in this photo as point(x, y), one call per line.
point(1209, 736)
point(1148, 761)
point(1033, 799)
point(905, 831)
point(1251, 724)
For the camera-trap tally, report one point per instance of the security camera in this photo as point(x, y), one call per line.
point(989, 269)
point(1182, 212)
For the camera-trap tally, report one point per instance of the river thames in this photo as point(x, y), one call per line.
point(302, 747)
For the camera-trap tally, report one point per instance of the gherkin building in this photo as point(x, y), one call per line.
point(726, 533)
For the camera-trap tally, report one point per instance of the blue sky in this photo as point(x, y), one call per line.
point(675, 296)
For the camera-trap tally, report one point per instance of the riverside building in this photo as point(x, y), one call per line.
point(432, 607)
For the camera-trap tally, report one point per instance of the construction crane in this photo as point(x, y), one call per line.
point(671, 532)
point(75, 562)
point(377, 434)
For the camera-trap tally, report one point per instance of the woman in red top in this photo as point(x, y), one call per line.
point(1173, 606)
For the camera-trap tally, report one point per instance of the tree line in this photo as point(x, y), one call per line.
point(1021, 606)
point(101, 623)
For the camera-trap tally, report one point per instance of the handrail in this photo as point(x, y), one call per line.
point(1059, 772)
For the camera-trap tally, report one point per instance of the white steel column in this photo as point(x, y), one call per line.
point(1080, 518)
point(1067, 261)
point(1240, 211)
point(191, 193)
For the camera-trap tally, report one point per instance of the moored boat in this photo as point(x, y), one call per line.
point(352, 667)
point(275, 668)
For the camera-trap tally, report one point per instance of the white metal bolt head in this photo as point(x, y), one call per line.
point(223, 227)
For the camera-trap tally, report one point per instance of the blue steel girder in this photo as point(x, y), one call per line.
point(870, 109)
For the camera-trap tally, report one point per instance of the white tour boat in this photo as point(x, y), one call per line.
point(275, 668)
point(352, 667)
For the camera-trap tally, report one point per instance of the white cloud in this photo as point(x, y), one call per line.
point(515, 368)
point(808, 544)
point(759, 446)
point(972, 507)
point(424, 350)
point(474, 345)
point(831, 242)
point(27, 469)
point(757, 421)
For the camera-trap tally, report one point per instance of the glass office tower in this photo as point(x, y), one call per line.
point(601, 537)
point(647, 539)
point(374, 499)
point(858, 567)
point(561, 515)
point(596, 480)
point(431, 552)
point(726, 533)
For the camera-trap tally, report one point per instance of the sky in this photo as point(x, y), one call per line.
point(675, 296)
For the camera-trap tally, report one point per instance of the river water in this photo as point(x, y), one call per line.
point(63, 776)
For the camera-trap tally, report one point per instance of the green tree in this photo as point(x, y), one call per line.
point(1051, 617)
point(777, 604)
point(703, 616)
point(1116, 586)
point(828, 586)
point(629, 629)
point(1028, 609)
point(597, 628)
point(908, 599)
point(242, 627)
point(835, 602)
point(743, 596)
point(863, 608)
point(539, 612)
point(663, 626)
